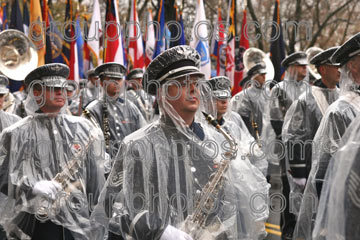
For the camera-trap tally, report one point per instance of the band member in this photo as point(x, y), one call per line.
point(73, 99)
point(338, 212)
point(51, 165)
point(116, 116)
point(92, 90)
point(336, 120)
point(138, 96)
point(282, 95)
point(169, 163)
point(301, 123)
point(6, 119)
point(232, 122)
point(250, 102)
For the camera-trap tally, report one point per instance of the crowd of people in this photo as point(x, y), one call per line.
point(164, 153)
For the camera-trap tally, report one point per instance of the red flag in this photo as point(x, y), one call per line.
point(150, 39)
point(113, 47)
point(239, 65)
point(136, 49)
point(230, 48)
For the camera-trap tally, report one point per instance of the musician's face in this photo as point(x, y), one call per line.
point(222, 106)
point(354, 67)
point(112, 86)
point(260, 78)
point(2, 98)
point(94, 80)
point(184, 97)
point(298, 71)
point(330, 74)
point(51, 100)
point(136, 83)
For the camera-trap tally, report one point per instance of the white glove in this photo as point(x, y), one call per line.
point(300, 181)
point(172, 233)
point(46, 188)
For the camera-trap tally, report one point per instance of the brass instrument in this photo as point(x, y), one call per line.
point(68, 182)
point(88, 116)
point(256, 130)
point(194, 224)
point(18, 55)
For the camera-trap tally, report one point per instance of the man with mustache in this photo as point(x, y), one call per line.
point(161, 169)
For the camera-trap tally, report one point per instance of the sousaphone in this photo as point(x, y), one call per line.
point(253, 56)
point(18, 55)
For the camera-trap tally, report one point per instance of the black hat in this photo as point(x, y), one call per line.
point(220, 86)
point(135, 73)
point(346, 51)
point(297, 58)
point(91, 73)
point(173, 63)
point(112, 70)
point(4, 81)
point(52, 75)
point(259, 68)
point(323, 57)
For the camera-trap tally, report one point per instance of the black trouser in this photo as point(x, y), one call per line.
point(41, 230)
point(287, 219)
point(2, 233)
point(49, 230)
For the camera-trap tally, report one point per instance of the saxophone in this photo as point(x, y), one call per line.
point(194, 224)
point(68, 182)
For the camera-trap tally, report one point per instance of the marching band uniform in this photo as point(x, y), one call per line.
point(168, 162)
point(50, 165)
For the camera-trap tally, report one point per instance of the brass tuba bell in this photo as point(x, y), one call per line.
point(253, 56)
point(18, 55)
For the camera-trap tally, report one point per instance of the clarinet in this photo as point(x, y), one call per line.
point(194, 224)
point(256, 130)
point(106, 126)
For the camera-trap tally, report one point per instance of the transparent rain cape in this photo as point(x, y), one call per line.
point(281, 97)
point(6, 119)
point(250, 103)
point(160, 170)
point(48, 147)
point(339, 205)
point(333, 125)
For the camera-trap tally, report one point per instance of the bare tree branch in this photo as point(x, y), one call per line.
point(255, 19)
point(322, 26)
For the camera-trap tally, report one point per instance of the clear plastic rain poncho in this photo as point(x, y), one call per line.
point(250, 103)
point(159, 173)
point(335, 121)
point(47, 147)
point(281, 97)
point(117, 114)
point(233, 124)
point(143, 101)
point(301, 123)
point(9, 103)
point(339, 205)
point(90, 93)
point(7, 119)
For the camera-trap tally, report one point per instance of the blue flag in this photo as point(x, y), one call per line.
point(160, 41)
point(277, 47)
point(80, 47)
point(16, 21)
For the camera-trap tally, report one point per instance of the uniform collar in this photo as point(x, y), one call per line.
point(198, 130)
